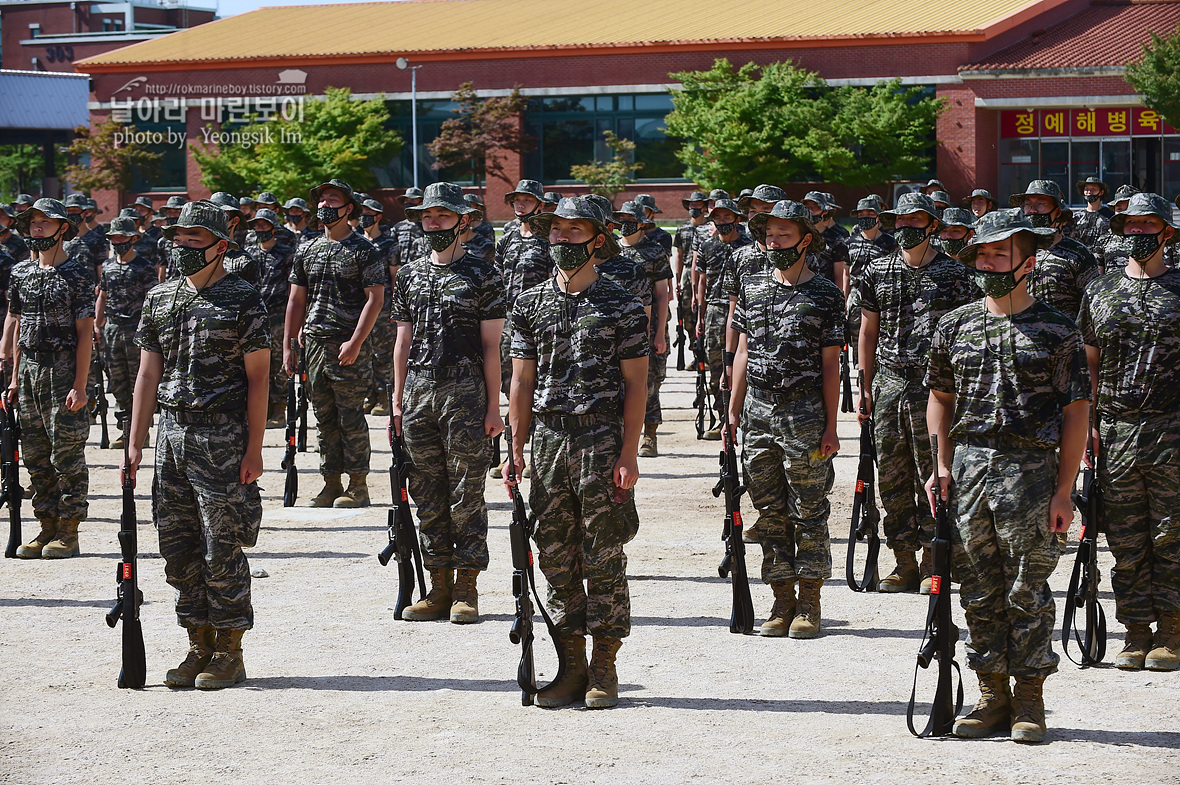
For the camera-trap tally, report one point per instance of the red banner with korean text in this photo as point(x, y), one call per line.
point(1103, 121)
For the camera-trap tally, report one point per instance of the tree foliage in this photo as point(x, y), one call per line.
point(106, 162)
point(608, 178)
point(336, 137)
point(482, 128)
point(780, 123)
point(20, 168)
point(1157, 75)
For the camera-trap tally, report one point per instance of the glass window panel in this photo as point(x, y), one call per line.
point(1084, 158)
point(657, 151)
point(605, 103)
point(1171, 164)
point(566, 142)
point(653, 102)
point(1146, 156)
point(1054, 165)
point(172, 171)
point(1019, 163)
point(1116, 163)
point(626, 103)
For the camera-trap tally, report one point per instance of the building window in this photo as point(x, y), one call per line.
point(172, 173)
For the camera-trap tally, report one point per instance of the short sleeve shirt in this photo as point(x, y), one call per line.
point(274, 267)
point(243, 265)
point(126, 285)
point(627, 272)
point(523, 262)
point(1061, 274)
point(49, 301)
point(748, 260)
point(715, 261)
point(652, 257)
point(336, 275)
point(862, 250)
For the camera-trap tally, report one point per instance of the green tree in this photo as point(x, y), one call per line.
point(482, 129)
point(1157, 75)
point(20, 169)
point(608, 178)
point(103, 161)
point(336, 137)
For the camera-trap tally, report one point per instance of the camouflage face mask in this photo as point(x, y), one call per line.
point(953, 247)
point(629, 228)
point(695, 212)
point(441, 239)
point(264, 235)
point(724, 229)
point(570, 256)
point(190, 261)
point(785, 258)
point(40, 244)
point(121, 249)
point(367, 221)
point(910, 237)
point(1040, 220)
point(866, 222)
point(1144, 246)
point(329, 215)
point(1092, 198)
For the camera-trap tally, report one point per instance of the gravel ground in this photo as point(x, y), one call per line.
point(338, 691)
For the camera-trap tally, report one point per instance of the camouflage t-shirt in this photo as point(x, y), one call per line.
point(204, 336)
point(652, 257)
point(910, 301)
point(274, 276)
point(100, 247)
point(579, 342)
point(444, 305)
point(336, 275)
point(411, 242)
point(1061, 274)
point(49, 301)
point(1090, 227)
point(749, 260)
point(523, 262)
point(835, 252)
point(15, 246)
point(485, 230)
point(390, 254)
point(684, 240)
point(661, 238)
point(481, 247)
point(628, 273)
point(715, 262)
point(243, 265)
point(126, 285)
point(862, 250)
point(150, 250)
point(1136, 325)
point(76, 249)
point(787, 328)
point(1011, 377)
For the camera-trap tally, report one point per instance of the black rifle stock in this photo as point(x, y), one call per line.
point(679, 340)
point(940, 635)
point(100, 398)
point(741, 618)
point(301, 400)
point(11, 492)
point(403, 538)
point(846, 404)
point(291, 485)
point(133, 673)
point(1083, 581)
point(865, 515)
point(701, 402)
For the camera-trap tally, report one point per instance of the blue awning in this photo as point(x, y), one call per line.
point(41, 101)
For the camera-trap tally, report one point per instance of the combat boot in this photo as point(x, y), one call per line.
point(1135, 648)
point(603, 689)
point(806, 623)
point(1028, 710)
point(437, 603)
point(32, 548)
point(905, 576)
point(226, 668)
point(647, 445)
point(117, 443)
point(357, 494)
point(497, 471)
point(464, 598)
point(712, 435)
point(380, 409)
point(65, 545)
point(751, 534)
point(926, 569)
point(572, 685)
point(201, 643)
point(783, 611)
point(1166, 654)
point(992, 712)
point(332, 491)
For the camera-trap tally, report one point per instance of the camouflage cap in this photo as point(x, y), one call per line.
point(979, 193)
point(265, 214)
point(602, 203)
point(129, 212)
point(7, 210)
point(999, 225)
point(527, 188)
point(1038, 188)
point(123, 227)
point(695, 196)
point(475, 201)
point(632, 211)
point(1124, 193)
point(204, 214)
point(374, 205)
point(820, 199)
point(1081, 184)
point(941, 196)
point(266, 197)
point(174, 203)
point(648, 201)
point(448, 196)
point(411, 193)
point(744, 193)
point(869, 203)
point(908, 204)
point(295, 203)
point(577, 208)
point(1146, 204)
point(788, 210)
point(935, 184)
point(92, 204)
point(725, 204)
point(159, 217)
point(957, 216)
point(717, 193)
point(831, 201)
point(763, 193)
point(551, 197)
point(23, 199)
point(476, 207)
point(227, 202)
point(76, 200)
point(50, 208)
point(245, 201)
point(143, 201)
point(342, 187)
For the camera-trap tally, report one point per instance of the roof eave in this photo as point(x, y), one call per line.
point(968, 73)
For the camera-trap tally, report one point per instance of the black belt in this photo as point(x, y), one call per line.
point(569, 422)
point(47, 356)
point(192, 417)
point(905, 374)
point(446, 371)
point(774, 396)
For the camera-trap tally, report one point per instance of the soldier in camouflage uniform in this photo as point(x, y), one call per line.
point(479, 239)
point(385, 330)
point(171, 211)
point(549, 201)
point(980, 202)
point(411, 244)
point(273, 257)
point(786, 381)
point(76, 248)
point(449, 307)
point(661, 236)
point(868, 241)
point(1131, 323)
point(1009, 385)
point(932, 186)
point(1065, 269)
point(236, 259)
point(145, 210)
point(125, 282)
point(1092, 223)
point(682, 245)
point(903, 295)
point(296, 213)
point(1111, 251)
point(958, 226)
point(832, 262)
point(90, 232)
point(11, 241)
point(206, 360)
point(337, 289)
point(51, 320)
point(579, 379)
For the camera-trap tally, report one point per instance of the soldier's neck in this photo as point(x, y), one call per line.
point(1094, 207)
point(586, 275)
point(1016, 301)
point(919, 255)
point(632, 240)
point(129, 257)
point(373, 232)
point(53, 257)
point(268, 244)
point(525, 230)
point(338, 231)
point(871, 234)
point(1152, 268)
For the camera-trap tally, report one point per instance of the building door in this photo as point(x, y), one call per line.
point(1146, 154)
point(1116, 162)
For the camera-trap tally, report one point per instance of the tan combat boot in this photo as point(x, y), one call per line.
point(1135, 647)
point(572, 685)
point(603, 689)
point(783, 611)
point(806, 623)
point(1166, 654)
point(437, 603)
point(201, 642)
point(497, 471)
point(926, 569)
point(65, 545)
point(905, 576)
point(464, 598)
point(1028, 710)
point(32, 548)
point(992, 712)
point(380, 409)
point(357, 494)
point(332, 491)
point(226, 668)
point(647, 445)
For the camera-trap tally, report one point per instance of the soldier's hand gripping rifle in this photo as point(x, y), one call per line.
point(11, 492)
point(100, 397)
point(1084, 580)
point(701, 402)
point(133, 674)
point(865, 515)
point(940, 636)
point(291, 486)
point(403, 538)
point(846, 404)
point(741, 618)
point(524, 589)
point(679, 340)
point(301, 400)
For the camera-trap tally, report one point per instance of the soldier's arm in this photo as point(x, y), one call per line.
point(663, 296)
point(830, 443)
point(351, 349)
point(520, 406)
point(257, 397)
point(1074, 430)
point(490, 331)
point(143, 402)
point(8, 342)
point(940, 408)
point(737, 393)
point(870, 331)
point(76, 397)
point(1093, 358)
point(293, 323)
point(401, 359)
point(634, 407)
point(100, 310)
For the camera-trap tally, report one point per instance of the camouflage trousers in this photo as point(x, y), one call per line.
point(657, 371)
point(442, 423)
point(122, 358)
point(1004, 554)
point(1139, 472)
point(278, 374)
point(53, 439)
point(684, 304)
point(337, 393)
point(716, 317)
point(205, 517)
point(583, 522)
point(505, 356)
point(852, 324)
point(381, 340)
point(789, 484)
point(903, 460)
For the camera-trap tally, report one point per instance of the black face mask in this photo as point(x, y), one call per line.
point(725, 229)
point(39, 244)
point(785, 258)
point(171, 220)
point(121, 249)
point(695, 212)
point(329, 215)
point(1092, 198)
point(1041, 220)
point(953, 247)
point(1144, 246)
point(296, 219)
point(629, 228)
point(865, 223)
point(190, 261)
point(441, 239)
point(264, 235)
point(909, 237)
point(570, 257)
point(368, 220)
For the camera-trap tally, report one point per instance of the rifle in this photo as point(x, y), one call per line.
point(701, 402)
point(301, 400)
point(11, 492)
point(679, 340)
point(100, 397)
point(865, 515)
point(291, 488)
point(741, 619)
point(940, 636)
point(846, 404)
point(133, 674)
point(1083, 582)
point(524, 580)
point(403, 539)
